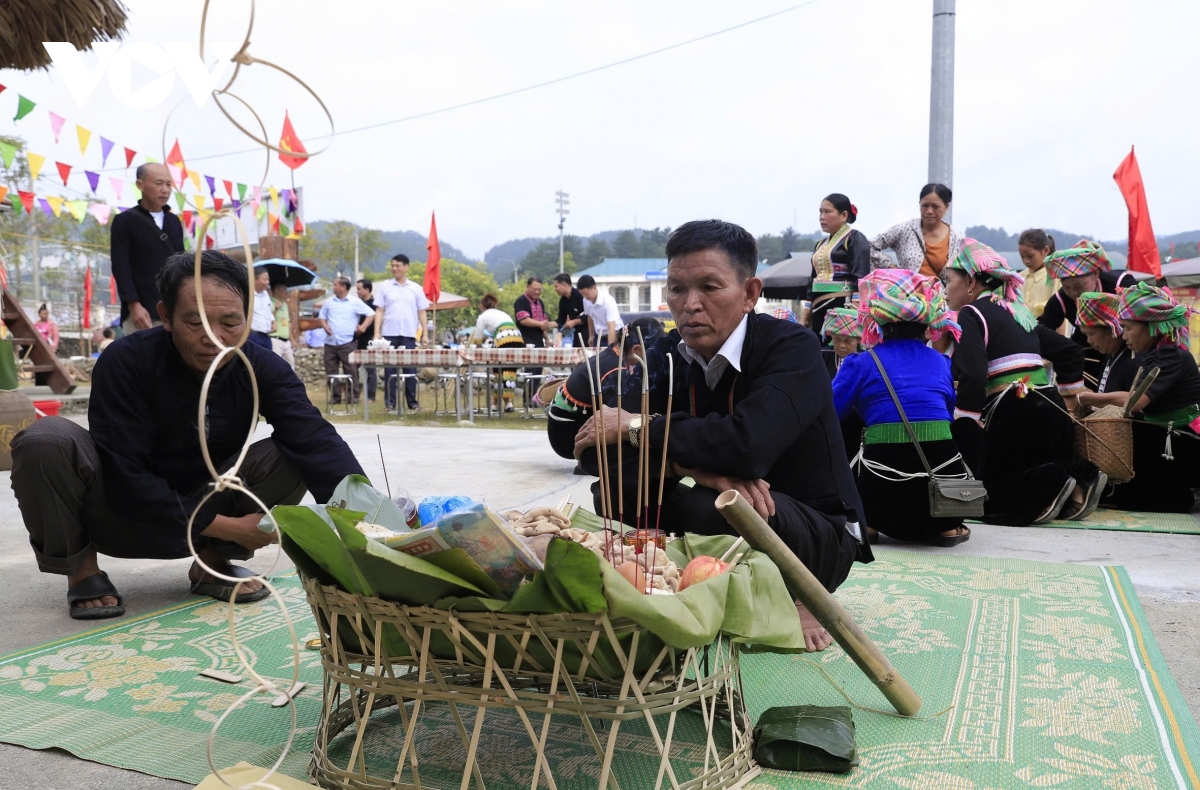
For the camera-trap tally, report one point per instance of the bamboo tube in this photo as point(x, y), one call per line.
point(828, 611)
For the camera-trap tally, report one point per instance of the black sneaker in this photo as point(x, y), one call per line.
point(1055, 507)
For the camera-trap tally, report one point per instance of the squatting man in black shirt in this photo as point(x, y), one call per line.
point(127, 485)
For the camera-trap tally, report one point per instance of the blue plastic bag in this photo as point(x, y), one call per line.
point(434, 507)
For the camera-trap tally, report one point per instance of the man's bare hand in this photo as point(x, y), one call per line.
point(756, 492)
point(139, 317)
point(616, 428)
point(242, 530)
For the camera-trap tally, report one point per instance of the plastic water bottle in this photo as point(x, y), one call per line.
point(408, 507)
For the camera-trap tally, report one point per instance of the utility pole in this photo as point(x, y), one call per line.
point(941, 96)
point(357, 270)
point(563, 201)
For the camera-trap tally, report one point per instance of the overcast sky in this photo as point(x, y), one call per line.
point(754, 126)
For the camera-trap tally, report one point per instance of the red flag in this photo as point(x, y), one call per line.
point(129, 155)
point(433, 264)
point(64, 170)
point(298, 228)
point(218, 203)
point(1143, 249)
point(291, 143)
point(175, 157)
point(87, 298)
point(112, 290)
point(26, 199)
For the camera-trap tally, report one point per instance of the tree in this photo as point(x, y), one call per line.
point(597, 250)
point(471, 281)
point(653, 243)
point(331, 246)
point(626, 245)
point(542, 261)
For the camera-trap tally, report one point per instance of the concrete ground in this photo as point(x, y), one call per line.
point(514, 468)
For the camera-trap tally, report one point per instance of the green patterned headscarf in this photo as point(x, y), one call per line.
point(1084, 258)
point(977, 259)
point(1157, 308)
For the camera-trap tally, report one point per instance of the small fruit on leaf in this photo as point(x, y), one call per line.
point(634, 573)
point(699, 569)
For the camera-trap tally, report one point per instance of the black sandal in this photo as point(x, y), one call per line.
point(223, 590)
point(950, 541)
point(95, 586)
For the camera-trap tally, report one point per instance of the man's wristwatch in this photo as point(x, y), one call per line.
point(635, 428)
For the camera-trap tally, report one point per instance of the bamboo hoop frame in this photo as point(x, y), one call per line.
point(518, 663)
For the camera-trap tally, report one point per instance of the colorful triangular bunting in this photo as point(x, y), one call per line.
point(106, 147)
point(24, 107)
point(85, 137)
point(35, 163)
point(56, 204)
point(64, 170)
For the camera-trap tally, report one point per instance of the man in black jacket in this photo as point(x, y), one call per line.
point(142, 239)
point(135, 481)
point(753, 412)
point(570, 309)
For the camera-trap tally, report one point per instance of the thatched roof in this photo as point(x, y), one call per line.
point(25, 24)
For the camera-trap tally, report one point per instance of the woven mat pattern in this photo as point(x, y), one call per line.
point(1044, 675)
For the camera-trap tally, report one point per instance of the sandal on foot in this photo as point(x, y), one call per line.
point(95, 586)
point(223, 590)
point(950, 541)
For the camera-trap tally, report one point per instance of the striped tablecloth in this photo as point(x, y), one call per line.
point(451, 357)
point(409, 357)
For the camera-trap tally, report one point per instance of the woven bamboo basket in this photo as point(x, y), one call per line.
point(380, 665)
point(1106, 439)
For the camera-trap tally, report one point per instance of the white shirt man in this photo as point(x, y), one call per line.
point(400, 306)
point(600, 309)
point(262, 320)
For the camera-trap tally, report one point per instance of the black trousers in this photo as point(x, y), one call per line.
point(821, 541)
point(1025, 456)
point(1160, 485)
point(900, 510)
point(59, 484)
point(410, 384)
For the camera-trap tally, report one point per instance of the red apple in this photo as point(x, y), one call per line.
point(699, 569)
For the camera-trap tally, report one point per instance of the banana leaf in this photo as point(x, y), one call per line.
point(806, 738)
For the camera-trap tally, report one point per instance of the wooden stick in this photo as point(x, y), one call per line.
point(620, 461)
point(662, 472)
point(599, 457)
point(828, 611)
point(644, 454)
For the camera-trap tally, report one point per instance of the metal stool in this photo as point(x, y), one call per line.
point(443, 384)
point(347, 382)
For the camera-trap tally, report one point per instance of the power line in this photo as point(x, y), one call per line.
point(538, 85)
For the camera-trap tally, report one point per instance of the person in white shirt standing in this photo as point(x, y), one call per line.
point(601, 311)
point(400, 307)
point(262, 322)
point(342, 316)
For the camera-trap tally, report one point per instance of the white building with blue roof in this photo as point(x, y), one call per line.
point(635, 284)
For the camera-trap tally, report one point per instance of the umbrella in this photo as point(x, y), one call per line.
point(292, 274)
point(25, 24)
point(449, 301)
point(1182, 274)
point(788, 279)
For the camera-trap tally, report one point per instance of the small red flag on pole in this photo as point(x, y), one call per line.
point(87, 298)
point(289, 142)
point(433, 264)
point(1143, 249)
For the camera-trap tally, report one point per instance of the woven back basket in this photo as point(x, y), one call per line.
point(1106, 439)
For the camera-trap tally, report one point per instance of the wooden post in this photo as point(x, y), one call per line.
point(828, 611)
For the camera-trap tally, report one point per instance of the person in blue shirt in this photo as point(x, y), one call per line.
point(898, 310)
point(343, 317)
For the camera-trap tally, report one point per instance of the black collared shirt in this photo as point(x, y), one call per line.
point(138, 253)
point(143, 417)
point(570, 307)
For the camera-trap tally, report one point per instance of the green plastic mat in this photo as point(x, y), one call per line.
point(1049, 672)
point(1129, 521)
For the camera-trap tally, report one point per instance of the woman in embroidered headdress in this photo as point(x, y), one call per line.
point(1098, 318)
point(842, 329)
point(839, 259)
point(1166, 449)
point(1005, 397)
point(898, 310)
point(1083, 268)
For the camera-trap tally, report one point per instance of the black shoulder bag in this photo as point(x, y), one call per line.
point(949, 497)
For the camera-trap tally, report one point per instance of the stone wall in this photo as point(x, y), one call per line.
point(310, 366)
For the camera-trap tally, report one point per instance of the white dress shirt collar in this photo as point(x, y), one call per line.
point(730, 355)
